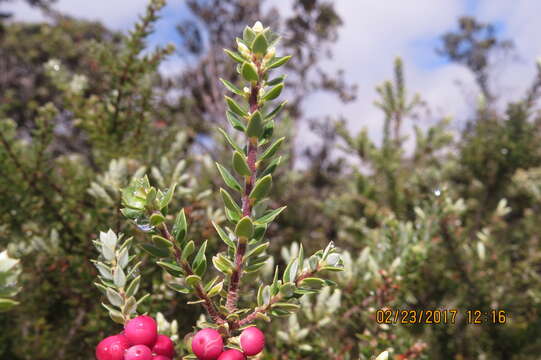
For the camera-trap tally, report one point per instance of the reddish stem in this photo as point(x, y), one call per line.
point(233, 291)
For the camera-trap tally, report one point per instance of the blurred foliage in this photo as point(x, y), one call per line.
point(426, 219)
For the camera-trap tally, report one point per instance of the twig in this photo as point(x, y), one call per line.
point(232, 294)
point(200, 292)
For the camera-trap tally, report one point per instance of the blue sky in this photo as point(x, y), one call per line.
point(374, 32)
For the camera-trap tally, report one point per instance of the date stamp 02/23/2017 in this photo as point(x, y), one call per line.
point(441, 316)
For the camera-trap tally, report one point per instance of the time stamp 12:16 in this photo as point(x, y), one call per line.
point(443, 316)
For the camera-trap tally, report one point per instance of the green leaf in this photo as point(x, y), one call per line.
point(193, 280)
point(178, 288)
point(268, 130)
point(155, 250)
point(215, 290)
point(244, 228)
point(301, 256)
point(171, 268)
point(259, 232)
point(234, 55)
point(290, 273)
point(104, 270)
point(228, 178)
point(231, 87)
point(240, 164)
point(151, 196)
point(200, 257)
point(249, 71)
point(123, 258)
point(232, 216)
point(333, 259)
point(288, 289)
point(255, 266)
point(180, 228)
point(273, 93)
point(275, 286)
point(188, 250)
point(255, 125)
point(257, 250)
point(119, 278)
point(235, 122)
point(211, 283)
point(313, 262)
point(114, 297)
point(276, 80)
point(131, 214)
point(143, 299)
point(261, 188)
point(260, 295)
point(279, 61)
point(263, 317)
point(271, 150)
point(168, 196)
point(272, 166)
point(260, 44)
point(230, 203)
point(133, 287)
point(304, 291)
point(223, 235)
point(102, 288)
point(229, 140)
point(290, 307)
point(332, 268)
point(248, 35)
point(276, 110)
point(269, 216)
point(117, 316)
point(129, 306)
point(223, 264)
point(313, 282)
point(266, 294)
point(161, 242)
point(234, 107)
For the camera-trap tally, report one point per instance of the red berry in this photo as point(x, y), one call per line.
point(112, 348)
point(207, 344)
point(232, 354)
point(160, 357)
point(142, 330)
point(252, 341)
point(164, 346)
point(138, 352)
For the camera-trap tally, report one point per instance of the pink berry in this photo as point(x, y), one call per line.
point(138, 352)
point(112, 348)
point(160, 357)
point(142, 330)
point(252, 341)
point(232, 354)
point(164, 346)
point(207, 344)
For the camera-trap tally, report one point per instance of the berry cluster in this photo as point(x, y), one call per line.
point(207, 344)
point(138, 341)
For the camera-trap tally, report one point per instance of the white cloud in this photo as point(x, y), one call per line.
point(118, 14)
point(374, 32)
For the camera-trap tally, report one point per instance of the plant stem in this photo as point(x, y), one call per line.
point(199, 291)
point(233, 291)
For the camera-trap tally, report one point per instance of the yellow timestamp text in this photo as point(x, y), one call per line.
point(439, 316)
